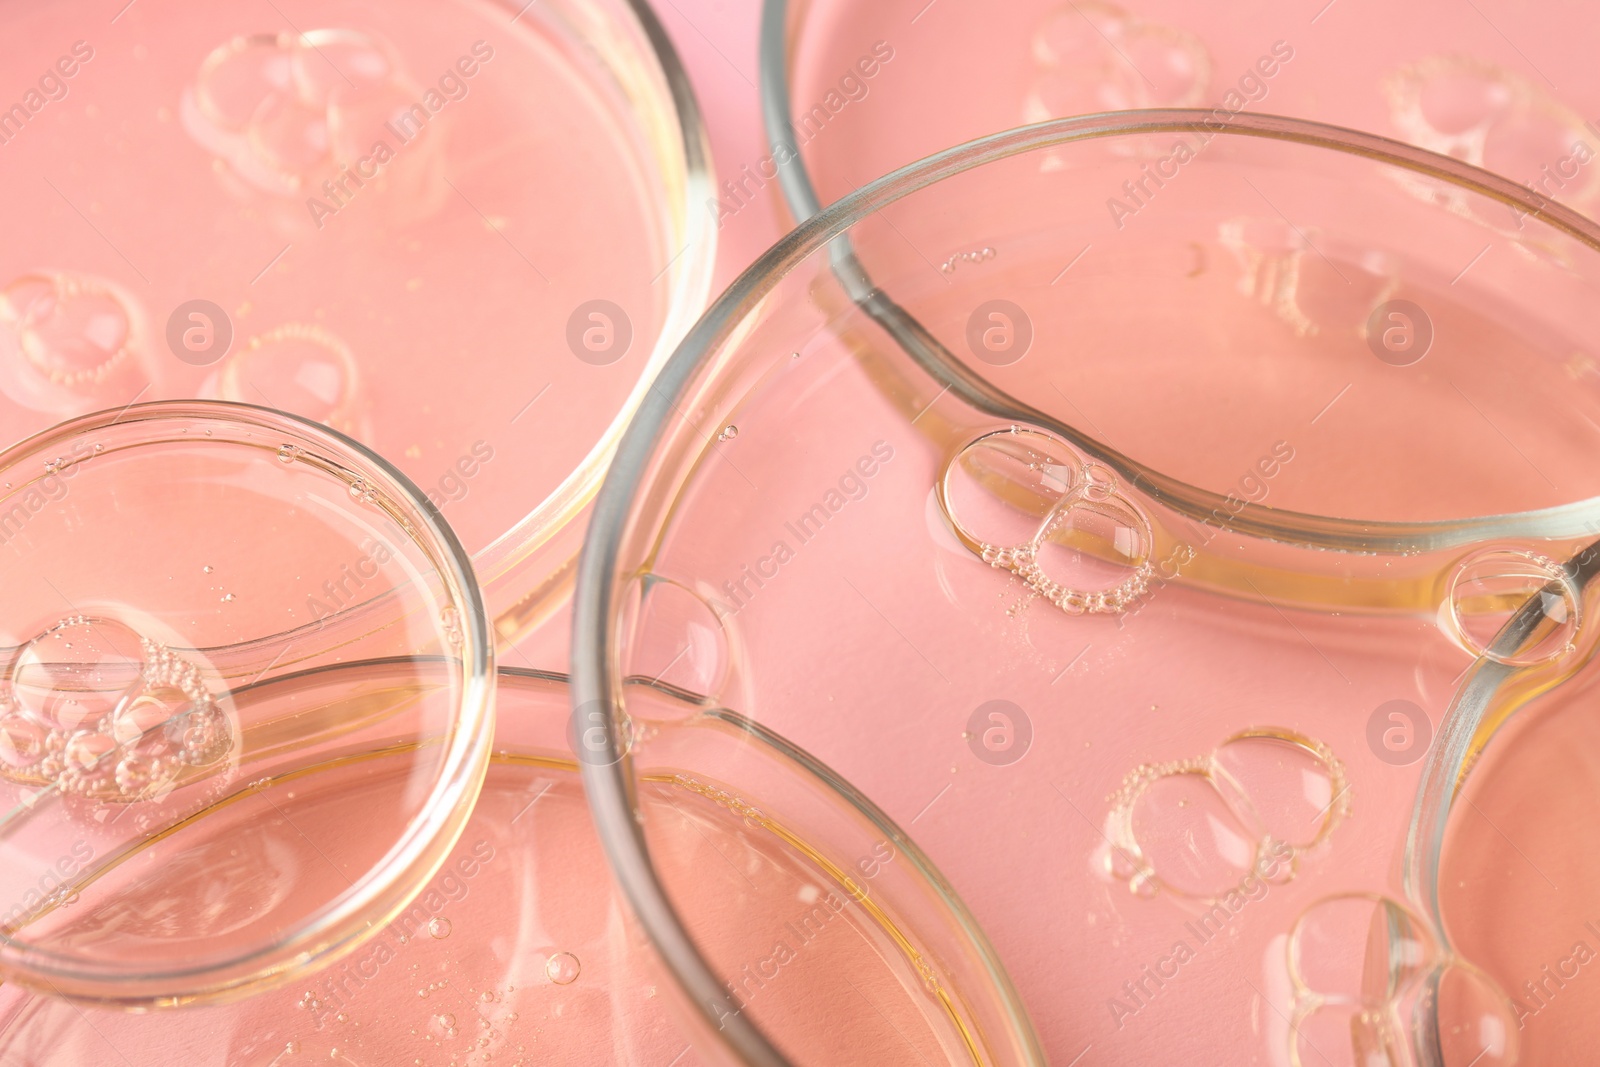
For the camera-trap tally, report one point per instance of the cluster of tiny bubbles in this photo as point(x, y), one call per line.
point(1372, 986)
point(1212, 828)
point(981, 255)
point(450, 620)
point(1026, 502)
point(100, 711)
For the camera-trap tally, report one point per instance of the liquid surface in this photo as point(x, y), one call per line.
point(518, 950)
point(162, 586)
point(339, 211)
point(514, 953)
point(877, 87)
point(1169, 766)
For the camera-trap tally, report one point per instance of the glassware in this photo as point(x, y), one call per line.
point(464, 234)
point(877, 86)
point(176, 719)
point(515, 952)
point(1490, 852)
point(1106, 561)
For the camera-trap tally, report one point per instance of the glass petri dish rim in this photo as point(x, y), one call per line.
point(596, 683)
point(690, 275)
point(1470, 725)
point(405, 869)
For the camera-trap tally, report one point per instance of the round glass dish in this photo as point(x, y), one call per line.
point(515, 953)
point(168, 834)
point(465, 234)
point(876, 86)
point(1131, 568)
point(1506, 800)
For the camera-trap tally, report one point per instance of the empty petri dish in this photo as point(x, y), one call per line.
point(1132, 569)
point(181, 823)
point(876, 86)
point(460, 233)
point(514, 951)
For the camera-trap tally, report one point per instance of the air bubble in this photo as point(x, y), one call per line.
point(21, 741)
point(1093, 57)
point(1223, 824)
point(680, 640)
point(1358, 949)
point(729, 432)
point(1492, 117)
point(439, 928)
point(304, 368)
point(562, 968)
point(1292, 786)
point(1491, 586)
point(66, 340)
point(1363, 964)
point(1475, 1022)
point(105, 722)
point(1026, 502)
point(271, 107)
point(1337, 1035)
point(76, 671)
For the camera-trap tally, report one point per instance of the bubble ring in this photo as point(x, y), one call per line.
point(102, 759)
point(1141, 872)
point(1551, 570)
point(1091, 487)
point(232, 384)
point(65, 286)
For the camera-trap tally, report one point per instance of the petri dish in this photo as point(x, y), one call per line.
point(1504, 796)
point(462, 233)
point(1134, 583)
point(518, 951)
point(513, 953)
point(177, 817)
point(878, 86)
